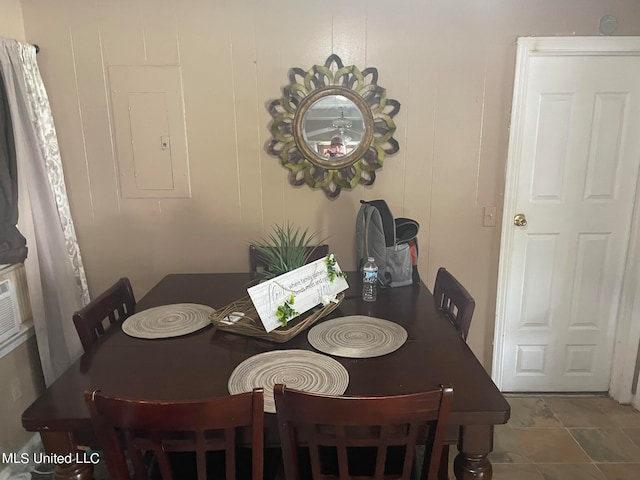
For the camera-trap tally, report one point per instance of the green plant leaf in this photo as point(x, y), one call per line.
point(285, 311)
point(285, 248)
point(332, 273)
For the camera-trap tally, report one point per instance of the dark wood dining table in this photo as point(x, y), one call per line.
point(199, 365)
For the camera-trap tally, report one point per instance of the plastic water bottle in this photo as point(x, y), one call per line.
point(370, 280)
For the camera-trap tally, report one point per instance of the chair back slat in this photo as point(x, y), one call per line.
point(89, 321)
point(454, 301)
point(201, 454)
point(347, 428)
point(137, 426)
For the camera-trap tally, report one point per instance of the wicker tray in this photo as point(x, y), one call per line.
point(251, 325)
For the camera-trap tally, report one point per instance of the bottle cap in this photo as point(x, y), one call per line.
point(371, 259)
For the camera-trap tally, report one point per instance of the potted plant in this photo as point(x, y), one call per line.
point(286, 248)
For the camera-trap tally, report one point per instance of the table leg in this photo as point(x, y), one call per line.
point(61, 443)
point(475, 444)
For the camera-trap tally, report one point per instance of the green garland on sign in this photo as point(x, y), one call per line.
point(286, 311)
point(332, 273)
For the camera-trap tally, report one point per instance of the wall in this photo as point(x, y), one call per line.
point(20, 373)
point(22, 383)
point(450, 64)
point(11, 24)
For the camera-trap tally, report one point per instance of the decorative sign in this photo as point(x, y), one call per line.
point(286, 296)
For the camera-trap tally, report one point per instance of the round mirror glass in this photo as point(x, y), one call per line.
point(333, 127)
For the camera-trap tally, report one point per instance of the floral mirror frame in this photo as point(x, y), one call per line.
point(353, 89)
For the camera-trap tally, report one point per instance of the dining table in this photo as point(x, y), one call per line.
point(199, 365)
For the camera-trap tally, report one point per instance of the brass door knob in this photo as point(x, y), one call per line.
point(520, 220)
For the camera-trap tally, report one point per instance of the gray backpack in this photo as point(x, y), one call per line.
point(391, 242)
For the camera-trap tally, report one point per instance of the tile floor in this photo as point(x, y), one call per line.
point(567, 438)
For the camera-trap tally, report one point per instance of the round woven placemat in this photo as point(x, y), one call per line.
point(357, 336)
point(168, 321)
point(298, 369)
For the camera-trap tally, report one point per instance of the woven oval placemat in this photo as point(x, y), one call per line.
point(168, 321)
point(357, 336)
point(298, 369)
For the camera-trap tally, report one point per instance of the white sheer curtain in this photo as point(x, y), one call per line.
point(55, 274)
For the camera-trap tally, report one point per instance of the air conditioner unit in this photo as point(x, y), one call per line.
point(9, 316)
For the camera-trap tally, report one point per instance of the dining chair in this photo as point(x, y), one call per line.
point(454, 301)
point(129, 429)
point(359, 437)
point(457, 305)
point(257, 262)
point(114, 305)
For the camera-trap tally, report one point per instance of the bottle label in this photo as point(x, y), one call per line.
point(370, 276)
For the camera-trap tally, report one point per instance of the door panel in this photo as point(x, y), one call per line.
point(572, 170)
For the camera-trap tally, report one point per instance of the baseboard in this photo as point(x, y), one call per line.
point(19, 470)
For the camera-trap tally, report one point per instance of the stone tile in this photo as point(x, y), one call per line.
point(579, 411)
point(525, 471)
point(583, 471)
point(633, 434)
point(621, 415)
point(620, 471)
point(550, 445)
point(531, 412)
point(507, 448)
point(606, 444)
point(536, 446)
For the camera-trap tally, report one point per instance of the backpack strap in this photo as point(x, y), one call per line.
point(388, 224)
point(363, 222)
point(366, 222)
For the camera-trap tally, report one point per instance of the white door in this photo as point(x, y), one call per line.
point(572, 172)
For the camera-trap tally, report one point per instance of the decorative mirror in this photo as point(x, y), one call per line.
point(333, 126)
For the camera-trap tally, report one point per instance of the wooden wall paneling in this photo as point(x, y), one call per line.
point(11, 23)
point(160, 34)
point(349, 36)
point(99, 163)
point(387, 50)
point(271, 74)
point(47, 26)
point(204, 33)
point(420, 110)
point(243, 41)
point(203, 42)
point(308, 41)
point(121, 32)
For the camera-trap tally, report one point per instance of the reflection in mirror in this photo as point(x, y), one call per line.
point(333, 126)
